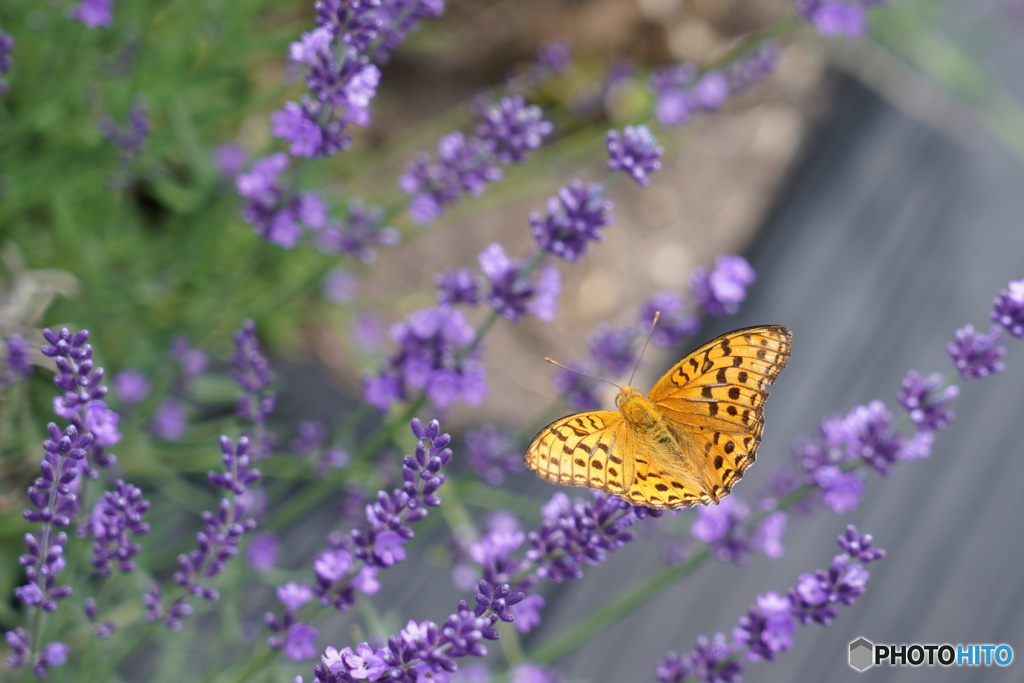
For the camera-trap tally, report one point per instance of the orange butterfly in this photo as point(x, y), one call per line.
point(686, 443)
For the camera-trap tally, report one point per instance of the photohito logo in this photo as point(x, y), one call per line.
point(864, 654)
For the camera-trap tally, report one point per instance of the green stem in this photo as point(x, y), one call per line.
point(613, 610)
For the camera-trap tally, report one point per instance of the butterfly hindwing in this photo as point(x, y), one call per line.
point(586, 449)
point(664, 478)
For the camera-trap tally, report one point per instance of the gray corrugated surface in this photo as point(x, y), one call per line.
point(890, 238)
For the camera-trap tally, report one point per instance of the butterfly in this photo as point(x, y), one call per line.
point(686, 443)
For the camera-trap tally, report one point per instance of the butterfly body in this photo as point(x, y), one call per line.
point(686, 443)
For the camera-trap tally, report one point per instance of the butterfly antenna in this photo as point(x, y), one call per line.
point(598, 379)
point(657, 314)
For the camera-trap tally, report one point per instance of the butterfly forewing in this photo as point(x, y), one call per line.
point(714, 399)
point(586, 449)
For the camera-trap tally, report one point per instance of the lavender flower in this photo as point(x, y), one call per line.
point(6, 62)
point(822, 459)
point(492, 453)
point(977, 354)
point(834, 17)
point(574, 219)
point(359, 235)
point(613, 349)
point(273, 215)
point(721, 290)
point(577, 390)
point(50, 655)
point(340, 286)
point(169, 420)
point(816, 595)
point(457, 287)
point(425, 651)
point(131, 386)
point(752, 68)
point(724, 528)
point(859, 547)
point(222, 531)
point(342, 81)
point(82, 402)
point(927, 407)
point(466, 166)
point(579, 532)
point(432, 358)
point(230, 159)
point(513, 129)
point(676, 323)
point(682, 91)
point(871, 438)
point(252, 373)
point(94, 13)
point(711, 660)
point(767, 629)
point(398, 18)
point(130, 139)
point(115, 519)
point(634, 151)
point(1008, 308)
point(18, 360)
point(263, 550)
point(102, 630)
point(512, 293)
point(349, 565)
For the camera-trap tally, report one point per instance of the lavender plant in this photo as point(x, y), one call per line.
point(380, 518)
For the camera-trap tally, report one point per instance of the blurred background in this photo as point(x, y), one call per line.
point(874, 185)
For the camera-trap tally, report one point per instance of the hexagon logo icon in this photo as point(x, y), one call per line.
point(862, 654)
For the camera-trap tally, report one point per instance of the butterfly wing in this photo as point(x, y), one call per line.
point(664, 477)
point(712, 402)
point(586, 449)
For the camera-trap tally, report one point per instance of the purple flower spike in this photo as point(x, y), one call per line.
point(613, 349)
point(711, 660)
point(94, 13)
point(131, 386)
point(753, 67)
point(834, 17)
point(676, 324)
point(493, 454)
point(6, 63)
point(466, 166)
point(816, 595)
point(580, 532)
point(977, 354)
point(350, 564)
point(359, 235)
point(859, 547)
point(724, 529)
point(117, 517)
point(457, 287)
point(252, 373)
point(220, 537)
point(1008, 308)
point(430, 359)
point(272, 212)
point(720, 291)
point(514, 295)
point(927, 407)
point(767, 629)
point(634, 151)
point(19, 358)
point(577, 390)
point(513, 128)
point(574, 220)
